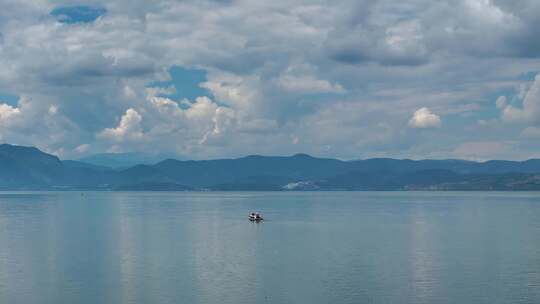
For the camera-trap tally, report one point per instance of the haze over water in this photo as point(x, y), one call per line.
point(314, 247)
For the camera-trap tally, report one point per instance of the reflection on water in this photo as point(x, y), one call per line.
point(321, 247)
point(422, 257)
point(126, 235)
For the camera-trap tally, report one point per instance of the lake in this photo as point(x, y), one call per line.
point(314, 247)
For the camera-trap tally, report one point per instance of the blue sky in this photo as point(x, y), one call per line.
point(206, 79)
point(9, 99)
point(185, 83)
point(77, 14)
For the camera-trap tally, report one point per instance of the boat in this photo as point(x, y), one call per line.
point(255, 217)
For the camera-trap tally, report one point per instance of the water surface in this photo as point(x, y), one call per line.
point(315, 247)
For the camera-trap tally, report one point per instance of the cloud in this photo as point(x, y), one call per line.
point(234, 90)
point(196, 124)
point(31, 122)
point(308, 85)
point(343, 77)
point(501, 102)
point(398, 44)
point(7, 113)
point(81, 149)
point(258, 126)
point(482, 150)
point(222, 120)
point(302, 79)
point(423, 118)
point(531, 133)
point(529, 112)
point(129, 128)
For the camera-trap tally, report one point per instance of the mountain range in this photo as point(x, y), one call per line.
point(123, 160)
point(28, 168)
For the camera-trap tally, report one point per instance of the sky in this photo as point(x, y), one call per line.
point(203, 79)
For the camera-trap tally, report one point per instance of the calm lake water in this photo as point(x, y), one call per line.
point(315, 247)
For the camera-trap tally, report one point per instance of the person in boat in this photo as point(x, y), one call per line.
point(255, 216)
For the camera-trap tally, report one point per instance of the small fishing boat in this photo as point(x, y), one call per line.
point(255, 217)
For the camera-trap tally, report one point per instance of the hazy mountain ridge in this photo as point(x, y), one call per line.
point(30, 168)
point(122, 160)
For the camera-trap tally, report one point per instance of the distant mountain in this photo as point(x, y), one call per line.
point(123, 160)
point(30, 168)
point(207, 173)
point(83, 165)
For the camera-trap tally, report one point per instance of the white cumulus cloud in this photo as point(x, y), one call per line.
point(423, 118)
point(129, 128)
point(7, 113)
point(529, 112)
